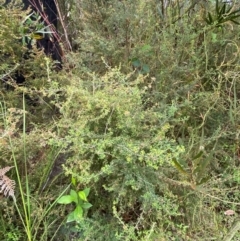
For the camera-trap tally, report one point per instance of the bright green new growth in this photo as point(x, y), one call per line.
point(80, 200)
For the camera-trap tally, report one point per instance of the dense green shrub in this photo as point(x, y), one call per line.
point(119, 148)
point(145, 113)
point(190, 69)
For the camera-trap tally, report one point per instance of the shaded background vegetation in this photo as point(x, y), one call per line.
point(145, 112)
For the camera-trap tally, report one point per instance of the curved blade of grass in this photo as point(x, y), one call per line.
point(179, 167)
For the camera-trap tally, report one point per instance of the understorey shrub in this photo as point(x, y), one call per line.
point(156, 140)
point(25, 69)
point(120, 148)
point(190, 69)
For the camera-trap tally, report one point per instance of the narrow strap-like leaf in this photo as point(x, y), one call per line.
point(233, 17)
point(234, 12)
point(235, 22)
point(210, 18)
point(198, 155)
point(208, 22)
point(223, 10)
point(217, 8)
point(179, 167)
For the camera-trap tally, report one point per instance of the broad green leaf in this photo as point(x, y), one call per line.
point(82, 195)
point(70, 217)
point(78, 213)
point(74, 196)
point(65, 199)
point(136, 63)
point(146, 48)
point(145, 69)
point(214, 37)
point(86, 205)
point(86, 191)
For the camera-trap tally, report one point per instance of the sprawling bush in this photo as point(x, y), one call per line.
point(145, 113)
point(119, 148)
point(190, 68)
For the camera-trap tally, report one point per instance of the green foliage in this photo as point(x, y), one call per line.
point(19, 31)
point(16, 29)
point(145, 113)
point(118, 145)
point(80, 200)
point(188, 71)
point(23, 130)
point(223, 14)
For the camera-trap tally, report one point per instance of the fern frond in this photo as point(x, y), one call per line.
point(7, 185)
point(4, 170)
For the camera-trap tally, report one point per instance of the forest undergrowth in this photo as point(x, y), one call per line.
point(136, 138)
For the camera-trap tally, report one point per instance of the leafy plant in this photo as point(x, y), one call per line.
point(32, 29)
point(80, 200)
point(224, 13)
point(156, 139)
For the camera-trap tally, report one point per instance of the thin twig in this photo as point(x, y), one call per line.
point(69, 46)
point(12, 70)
